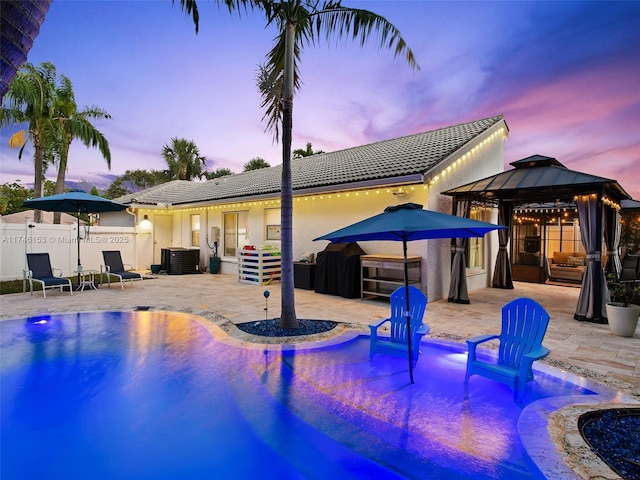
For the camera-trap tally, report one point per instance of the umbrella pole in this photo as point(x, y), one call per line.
point(78, 246)
point(407, 303)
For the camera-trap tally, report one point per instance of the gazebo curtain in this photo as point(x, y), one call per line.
point(612, 233)
point(458, 287)
point(502, 277)
point(593, 295)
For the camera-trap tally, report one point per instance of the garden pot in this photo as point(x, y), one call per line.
point(623, 320)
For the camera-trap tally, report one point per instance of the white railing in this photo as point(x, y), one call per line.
point(61, 243)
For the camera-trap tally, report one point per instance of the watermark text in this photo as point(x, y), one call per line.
point(63, 239)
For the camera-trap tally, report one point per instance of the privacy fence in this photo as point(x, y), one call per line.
point(61, 243)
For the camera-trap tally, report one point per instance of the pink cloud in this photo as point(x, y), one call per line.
point(587, 120)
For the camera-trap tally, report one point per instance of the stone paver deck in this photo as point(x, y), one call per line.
point(582, 345)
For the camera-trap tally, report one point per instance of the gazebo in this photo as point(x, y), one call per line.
point(542, 201)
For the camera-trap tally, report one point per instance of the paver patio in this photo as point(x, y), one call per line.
point(575, 345)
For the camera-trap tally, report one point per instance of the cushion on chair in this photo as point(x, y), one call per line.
point(48, 281)
point(128, 275)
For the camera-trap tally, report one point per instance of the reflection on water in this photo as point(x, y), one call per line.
point(154, 395)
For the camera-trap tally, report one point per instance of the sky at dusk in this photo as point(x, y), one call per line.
point(566, 76)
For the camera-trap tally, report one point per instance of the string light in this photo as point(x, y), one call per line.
point(611, 203)
point(275, 202)
point(270, 203)
point(476, 149)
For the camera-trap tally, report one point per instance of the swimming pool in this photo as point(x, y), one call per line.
point(164, 395)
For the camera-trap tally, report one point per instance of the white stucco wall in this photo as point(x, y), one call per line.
point(486, 160)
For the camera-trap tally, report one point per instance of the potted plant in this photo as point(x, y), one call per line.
point(621, 312)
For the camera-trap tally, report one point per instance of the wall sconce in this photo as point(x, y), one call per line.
point(145, 223)
point(399, 193)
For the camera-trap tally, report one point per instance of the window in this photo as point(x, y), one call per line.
point(236, 232)
point(195, 230)
point(475, 245)
point(272, 222)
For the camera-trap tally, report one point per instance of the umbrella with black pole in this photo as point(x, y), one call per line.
point(405, 223)
point(77, 202)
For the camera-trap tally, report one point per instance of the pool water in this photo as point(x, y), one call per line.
point(162, 395)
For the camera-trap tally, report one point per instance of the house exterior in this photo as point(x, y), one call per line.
point(330, 191)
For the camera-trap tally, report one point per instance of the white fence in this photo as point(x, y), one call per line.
point(61, 242)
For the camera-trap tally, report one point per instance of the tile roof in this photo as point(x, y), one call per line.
point(387, 159)
point(170, 192)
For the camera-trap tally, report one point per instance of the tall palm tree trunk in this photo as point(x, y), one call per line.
point(288, 317)
point(57, 216)
point(62, 174)
point(38, 176)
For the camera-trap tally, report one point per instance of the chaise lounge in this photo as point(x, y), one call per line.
point(40, 271)
point(113, 266)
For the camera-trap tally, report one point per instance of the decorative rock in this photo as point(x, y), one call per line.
point(271, 328)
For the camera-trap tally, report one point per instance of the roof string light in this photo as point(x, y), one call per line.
point(463, 158)
point(469, 154)
point(611, 203)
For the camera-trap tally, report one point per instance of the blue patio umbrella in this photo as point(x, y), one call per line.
point(405, 223)
point(75, 201)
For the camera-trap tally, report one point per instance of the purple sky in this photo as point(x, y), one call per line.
point(566, 76)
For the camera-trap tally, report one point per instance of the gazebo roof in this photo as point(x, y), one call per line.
point(630, 205)
point(538, 179)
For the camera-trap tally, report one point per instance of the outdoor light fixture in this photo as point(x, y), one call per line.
point(145, 223)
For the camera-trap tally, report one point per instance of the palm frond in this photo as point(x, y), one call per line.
point(270, 81)
point(18, 139)
point(190, 7)
point(314, 20)
point(336, 20)
point(80, 128)
point(183, 159)
point(96, 113)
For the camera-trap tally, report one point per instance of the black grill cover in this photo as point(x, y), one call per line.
point(338, 270)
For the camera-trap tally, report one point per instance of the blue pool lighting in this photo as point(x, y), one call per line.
point(162, 395)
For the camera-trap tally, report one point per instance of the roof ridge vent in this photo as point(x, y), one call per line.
point(537, 161)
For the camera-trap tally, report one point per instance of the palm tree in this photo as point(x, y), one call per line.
point(30, 100)
point(301, 23)
point(256, 164)
point(305, 152)
point(21, 21)
point(184, 160)
point(72, 124)
point(218, 172)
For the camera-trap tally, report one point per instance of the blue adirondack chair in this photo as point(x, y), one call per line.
point(396, 343)
point(524, 324)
